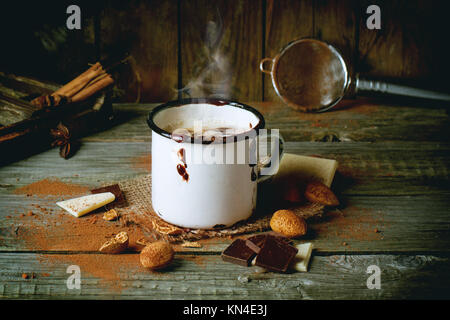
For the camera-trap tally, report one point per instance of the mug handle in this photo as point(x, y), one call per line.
point(261, 65)
point(268, 165)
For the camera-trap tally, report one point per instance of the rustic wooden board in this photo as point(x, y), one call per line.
point(392, 187)
point(366, 169)
point(353, 120)
point(386, 43)
point(409, 45)
point(21, 87)
point(404, 48)
point(39, 43)
point(286, 20)
point(221, 46)
point(394, 212)
point(208, 277)
point(335, 22)
point(363, 224)
point(147, 30)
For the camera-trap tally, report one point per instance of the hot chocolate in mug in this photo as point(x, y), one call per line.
point(208, 156)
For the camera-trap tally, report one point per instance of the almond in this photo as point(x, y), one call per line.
point(319, 193)
point(156, 255)
point(110, 215)
point(142, 242)
point(117, 244)
point(288, 223)
point(165, 228)
point(191, 244)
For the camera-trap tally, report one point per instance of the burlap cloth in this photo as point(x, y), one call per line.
point(293, 169)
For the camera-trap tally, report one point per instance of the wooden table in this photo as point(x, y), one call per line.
point(393, 182)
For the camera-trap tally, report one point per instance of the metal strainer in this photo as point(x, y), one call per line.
point(311, 76)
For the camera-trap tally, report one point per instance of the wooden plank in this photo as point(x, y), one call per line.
point(26, 86)
point(362, 224)
point(362, 121)
point(94, 162)
point(147, 30)
point(384, 168)
point(397, 188)
point(354, 120)
point(221, 46)
point(371, 176)
point(286, 20)
point(41, 45)
point(375, 169)
point(208, 277)
point(405, 48)
point(335, 23)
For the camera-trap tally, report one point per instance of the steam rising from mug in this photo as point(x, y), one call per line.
point(214, 75)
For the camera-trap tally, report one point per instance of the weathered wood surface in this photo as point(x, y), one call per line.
point(393, 176)
point(41, 45)
point(403, 224)
point(363, 120)
point(372, 169)
point(169, 43)
point(221, 46)
point(146, 30)
point(286, 20)
point(335, 22)
point(403, 48)
point(208, 277)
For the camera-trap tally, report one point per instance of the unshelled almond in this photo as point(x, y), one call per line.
point(165, 228)
point(191, 244)
point(156, 255)
point(117, 244)
point(288, 223)
point(319, 193)
point(143, 242)
point(110, 215)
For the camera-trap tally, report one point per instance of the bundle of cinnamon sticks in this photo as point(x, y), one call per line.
point(82, 87)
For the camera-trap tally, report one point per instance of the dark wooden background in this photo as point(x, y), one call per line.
point(213, 47)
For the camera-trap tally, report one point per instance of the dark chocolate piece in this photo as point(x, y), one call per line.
point(120, 200)
point(259, 239)
point(252, 246)
point(238, 253)
point(275, 254)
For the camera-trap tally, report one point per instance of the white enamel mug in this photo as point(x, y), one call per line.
point(209, 180)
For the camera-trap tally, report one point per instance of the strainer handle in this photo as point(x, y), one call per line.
point(399, 90)
point(261, 65)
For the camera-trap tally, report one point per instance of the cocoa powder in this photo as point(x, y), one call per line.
point(45, 227)
point(143, 162)
point(52, 187)
point(352, 223)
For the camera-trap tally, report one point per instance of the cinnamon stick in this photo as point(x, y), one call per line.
point(92, 89)
point(82, 87)
point(96, 79)
point(70, 85)
point(80, 82)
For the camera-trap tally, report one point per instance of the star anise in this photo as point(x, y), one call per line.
point(62, 140)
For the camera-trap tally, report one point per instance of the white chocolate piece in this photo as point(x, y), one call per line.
point(80, 206)
point(304, 168)
point(302, 257)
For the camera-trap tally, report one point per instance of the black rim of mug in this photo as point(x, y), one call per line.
point(213, 101)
